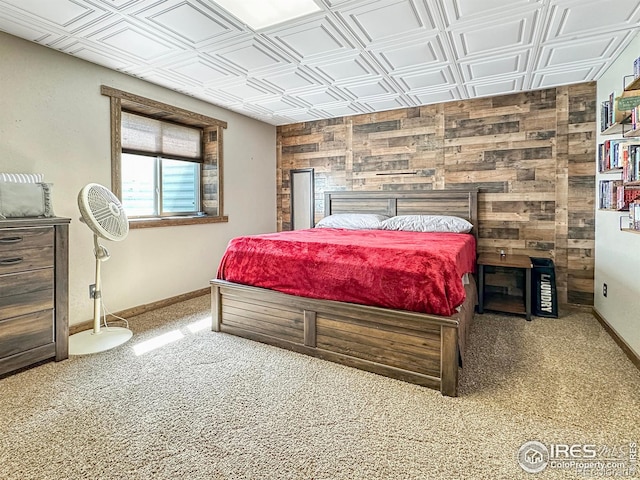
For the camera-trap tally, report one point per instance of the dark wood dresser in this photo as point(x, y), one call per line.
point(34, 291)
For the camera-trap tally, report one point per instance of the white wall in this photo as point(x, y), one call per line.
point(617, 257)
point(54, 121)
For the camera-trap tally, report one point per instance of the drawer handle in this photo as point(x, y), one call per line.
point(11, 240)
point(11, 261)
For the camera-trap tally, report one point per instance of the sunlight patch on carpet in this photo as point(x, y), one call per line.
point(157, 342)
point(200, 325)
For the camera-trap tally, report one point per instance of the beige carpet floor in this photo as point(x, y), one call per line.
point(214, 406)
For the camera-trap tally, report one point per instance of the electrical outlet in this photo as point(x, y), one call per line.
point(92, 290)
point(604, 289)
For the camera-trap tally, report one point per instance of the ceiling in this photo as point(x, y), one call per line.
point(352, 57)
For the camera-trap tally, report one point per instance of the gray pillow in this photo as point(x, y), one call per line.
point(428, 223)
point(22, 177)
point(352, 221)
point(25, 200)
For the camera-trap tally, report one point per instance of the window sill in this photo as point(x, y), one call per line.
point(135, 223)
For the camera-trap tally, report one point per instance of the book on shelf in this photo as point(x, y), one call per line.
point(609, 194)
point(611, 154)
point(614, 154)
point(633, 164)
point(630, 154)
point(611, 118)
point(604, 116)
point(626, 168)
point(626, 196)
point(603, 156)
point(607, 112)
point(602, 164)
point(620, 198)
point(634, 213)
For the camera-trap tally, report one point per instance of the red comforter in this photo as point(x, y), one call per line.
point(413, 271)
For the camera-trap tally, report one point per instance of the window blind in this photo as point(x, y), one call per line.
point(143, 134)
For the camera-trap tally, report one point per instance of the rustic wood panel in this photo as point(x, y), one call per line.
point(460, 203)
point(357, 343)
point(61, 294)
point(19, 334)
point(562, 193)
point(209, 171)
point(310, 333)
point(409, 346)
point(397, 339)
point(531, 155)
point(581, 139)
point(273, 321)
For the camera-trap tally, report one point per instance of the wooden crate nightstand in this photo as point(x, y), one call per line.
point(501, 302)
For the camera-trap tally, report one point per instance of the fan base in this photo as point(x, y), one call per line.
point(88, 342)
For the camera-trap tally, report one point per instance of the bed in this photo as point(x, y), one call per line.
point(410, 345)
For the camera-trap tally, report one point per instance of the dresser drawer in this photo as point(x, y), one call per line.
point(12, 239)
point(26, 259)
point(27, 292)
point(24, 249)
point(25, 332)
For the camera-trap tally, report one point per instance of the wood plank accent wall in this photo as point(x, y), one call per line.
point(531, 155)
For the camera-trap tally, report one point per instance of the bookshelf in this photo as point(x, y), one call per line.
point(632, 133)
point(629, 190)
point(631, 100)
point(622, 159)
point(634, 85)
point(620, 116)
point(616, 128)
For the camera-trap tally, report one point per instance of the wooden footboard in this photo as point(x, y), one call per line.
point(413, 347)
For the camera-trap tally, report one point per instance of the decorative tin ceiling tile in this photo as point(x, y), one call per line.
point(495, 88)
point(67, 14)
point(385, 20)
point(419, 52)
point(563, 77)
point(496, 67)
point(495, 37)
point(354, 56)
point(569, 19)
point(309, 40)
point(251, 56)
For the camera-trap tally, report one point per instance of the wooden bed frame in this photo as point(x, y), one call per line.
point(418, 348)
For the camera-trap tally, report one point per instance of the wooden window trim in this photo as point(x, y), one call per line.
point(135, 223)
point(185, 116)
point(121, 100)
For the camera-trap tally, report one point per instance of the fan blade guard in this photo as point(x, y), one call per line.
point(102, 212)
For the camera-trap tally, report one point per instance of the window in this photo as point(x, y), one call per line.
point(156, 186)
point(160, 167)
point(166, 162)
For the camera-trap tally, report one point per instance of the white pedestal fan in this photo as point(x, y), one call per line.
point(103, 213)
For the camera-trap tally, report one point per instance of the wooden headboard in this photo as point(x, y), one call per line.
point(461, 203)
